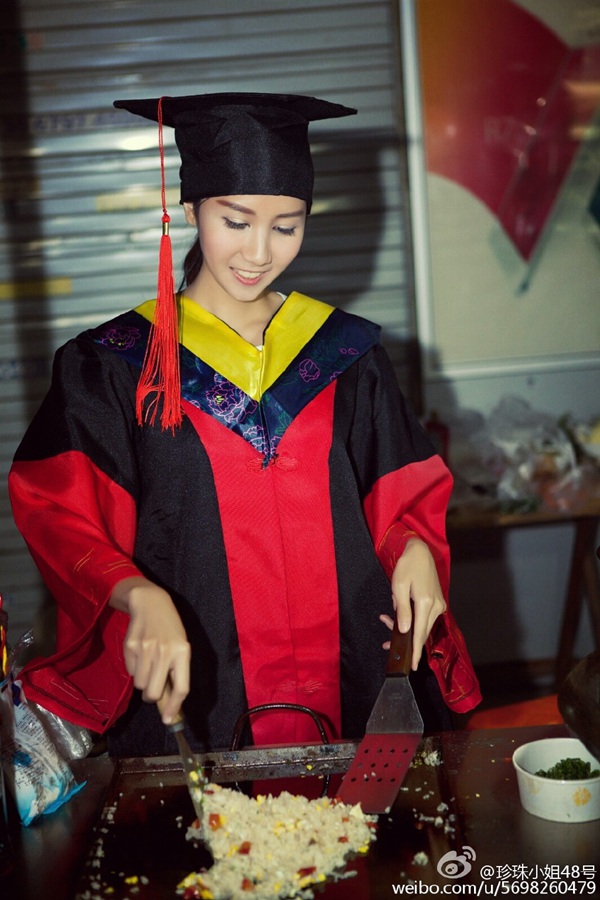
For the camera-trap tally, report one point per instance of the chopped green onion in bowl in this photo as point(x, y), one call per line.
point(570, 769)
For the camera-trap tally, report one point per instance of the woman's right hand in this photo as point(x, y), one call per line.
point(156, 649)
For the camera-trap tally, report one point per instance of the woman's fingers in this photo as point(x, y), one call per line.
point(179, 682)
point(156, 650)
point(403, 607)
point(417, 594)
point(175, 690)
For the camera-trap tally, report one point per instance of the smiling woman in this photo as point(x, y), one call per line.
point(251, 550)
point(245, 247)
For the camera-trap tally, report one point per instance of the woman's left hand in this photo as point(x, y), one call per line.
point(416, 590)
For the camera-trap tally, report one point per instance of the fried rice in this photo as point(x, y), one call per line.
point(269, 847)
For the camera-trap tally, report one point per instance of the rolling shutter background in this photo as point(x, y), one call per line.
point(80, 180)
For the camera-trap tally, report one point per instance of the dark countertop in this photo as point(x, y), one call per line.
point(129, 823)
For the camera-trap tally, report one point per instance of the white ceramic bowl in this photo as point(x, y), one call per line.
point(551, 798)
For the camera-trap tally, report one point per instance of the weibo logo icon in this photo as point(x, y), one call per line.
point(456, 865)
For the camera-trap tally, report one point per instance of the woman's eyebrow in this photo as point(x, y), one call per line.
point(250, 212)
point(237, 206)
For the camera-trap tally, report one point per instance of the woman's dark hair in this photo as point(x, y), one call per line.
point(193, 258)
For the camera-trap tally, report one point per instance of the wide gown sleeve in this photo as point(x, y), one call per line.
point(406, 489)
point(73, 490)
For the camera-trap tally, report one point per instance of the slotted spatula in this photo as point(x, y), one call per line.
point(393, 732)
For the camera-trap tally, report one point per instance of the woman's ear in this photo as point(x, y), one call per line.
point(190, 214)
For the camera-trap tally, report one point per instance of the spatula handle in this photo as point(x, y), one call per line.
point(177, 723)
point(400, 654)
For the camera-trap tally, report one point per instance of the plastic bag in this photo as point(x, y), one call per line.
point(524, 451)
point(39, 778)
point(532, 442)
point(72, 741)
point(37, 775)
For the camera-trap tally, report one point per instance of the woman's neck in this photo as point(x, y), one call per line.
point(249, 319)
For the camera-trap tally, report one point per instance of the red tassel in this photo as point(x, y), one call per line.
point(160, 372)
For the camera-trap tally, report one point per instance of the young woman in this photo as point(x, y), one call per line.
point(252, 546)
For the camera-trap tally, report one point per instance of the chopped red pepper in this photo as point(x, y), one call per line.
point(192, 892)
point(308, 871)
point(343, 839)
point(214, 821)
point(244, 848)
point(247, 885)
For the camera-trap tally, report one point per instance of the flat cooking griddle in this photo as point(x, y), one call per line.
point(140, 852)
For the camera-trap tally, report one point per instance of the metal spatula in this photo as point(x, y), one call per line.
point(393, 732)
point(194, 775)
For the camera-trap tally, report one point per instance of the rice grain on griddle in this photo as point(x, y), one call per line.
point(268, 847)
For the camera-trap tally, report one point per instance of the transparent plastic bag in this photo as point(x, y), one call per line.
point(528, 451)
point(36, 773)
point(533, 443)
point(72, 741)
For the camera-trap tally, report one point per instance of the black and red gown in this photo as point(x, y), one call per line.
point(274, 517)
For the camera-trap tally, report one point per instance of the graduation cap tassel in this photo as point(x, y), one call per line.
point(160, 371)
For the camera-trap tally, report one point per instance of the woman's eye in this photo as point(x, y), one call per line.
point(231, 224)
point(290, 232)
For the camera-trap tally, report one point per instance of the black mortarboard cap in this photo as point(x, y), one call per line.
point(241, 143)
point(230, 144)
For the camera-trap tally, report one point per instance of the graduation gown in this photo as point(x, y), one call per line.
point(274, 517)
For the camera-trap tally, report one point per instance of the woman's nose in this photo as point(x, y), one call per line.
point(257, 248)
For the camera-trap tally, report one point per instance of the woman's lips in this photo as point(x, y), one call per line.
point(249, 278)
